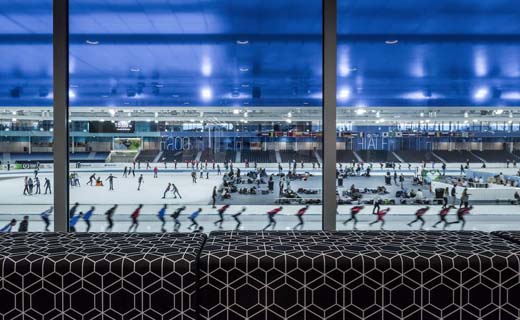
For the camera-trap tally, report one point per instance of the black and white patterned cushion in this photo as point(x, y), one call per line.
point(98, 276)
point(359, 275)
point(513, 236)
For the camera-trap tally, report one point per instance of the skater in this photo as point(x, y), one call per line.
point(135, 216)
point(377, 207)
point(26, 186)
point(419, 217)
point(194, 176)
point(140, 181)
point(37, 185)
point(443, 168)
point(380, 218)
point(462, 169)
point(270, 215)
point(353, 215)
point(125, 172)
point(193, 218)
point(175, 191)
point(161, 215)
point(299, 215)
point(155, 171)
point(236, 217)
point(445, 195)
point(166, 191)
point(148, 165)
point(47, 186)
point(175, 215)
point(464, 198)
point(72, 210)
point(133, 172)
point(8, 227)
point(453, 194)
point(73, 220)
point(91, 180)
point(24, 224)
point(214, 197)
point(221, 215)
point(175, 163)
point(45, 217)
point(8, 166)
point(31, 185)
point(218, 170)
point(86, 217)
point(442, 217)
point(111, 181)
point(461, 212)
point(110, 218)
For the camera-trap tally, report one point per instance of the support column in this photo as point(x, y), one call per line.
point(61, 113)
point(329, 113)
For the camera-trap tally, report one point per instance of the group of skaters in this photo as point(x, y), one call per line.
point(23, 226)
point(33, 185)
point(461, 212)
point(75, 216)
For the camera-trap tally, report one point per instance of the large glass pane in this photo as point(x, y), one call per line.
point(26, 179)
point(427, 116)
point(203, 107)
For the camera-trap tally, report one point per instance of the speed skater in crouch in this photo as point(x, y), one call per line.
point(353, 215)
point(419, 217)
point(380, 217)
point(442, 217)
point(461, 212)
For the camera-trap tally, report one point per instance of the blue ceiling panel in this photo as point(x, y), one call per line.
point(265, 52)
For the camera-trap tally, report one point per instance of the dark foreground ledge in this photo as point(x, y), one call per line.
point(359, 275)
point(98, 276)
point(261, 275)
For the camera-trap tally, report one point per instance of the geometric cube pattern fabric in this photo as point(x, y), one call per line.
point(513, 236)
point(98, 276)
point(359, 275)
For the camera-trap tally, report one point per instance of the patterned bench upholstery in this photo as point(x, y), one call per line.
point(98, 276)
point(359, 275)
point(513, 236)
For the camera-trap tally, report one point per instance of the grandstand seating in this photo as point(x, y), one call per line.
point(147, 155)
point(458, 156)
point(377, 156)
point(416, 156)
point(302, 155)
point(258, 156)
point(171, 156)
point(495, 155)
point(345, 156)
point(42, 157)
point(88, 157)
point(230, 156)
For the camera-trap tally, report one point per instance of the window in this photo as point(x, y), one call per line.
point(203, 108)
point(26, 113)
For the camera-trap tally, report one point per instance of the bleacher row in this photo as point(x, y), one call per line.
point(47, 157)
point(261, 275)
point(459, 156)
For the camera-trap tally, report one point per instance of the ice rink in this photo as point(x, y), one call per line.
point(198, 195)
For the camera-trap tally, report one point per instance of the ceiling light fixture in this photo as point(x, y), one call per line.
point(92, 42)
point(242, 42)
point(392, 41)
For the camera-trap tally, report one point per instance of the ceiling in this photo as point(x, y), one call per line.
point(265, 53)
